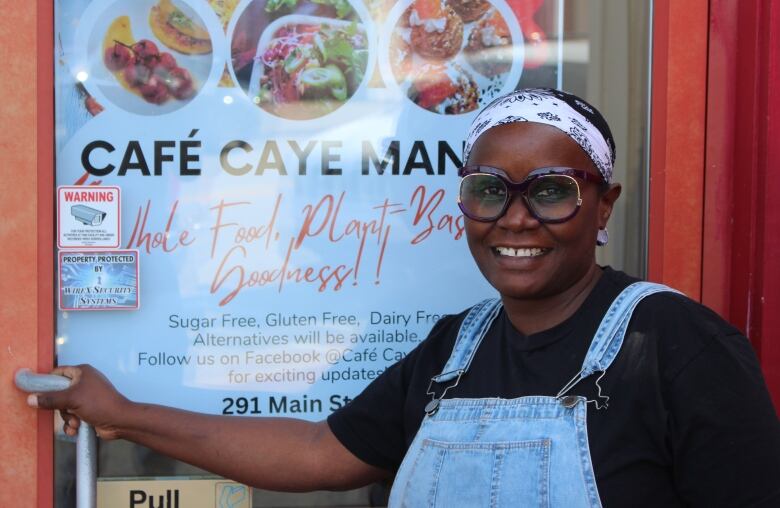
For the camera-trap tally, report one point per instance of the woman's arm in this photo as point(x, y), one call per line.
point(271, 453)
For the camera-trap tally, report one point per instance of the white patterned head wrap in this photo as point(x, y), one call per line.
point(573, 116)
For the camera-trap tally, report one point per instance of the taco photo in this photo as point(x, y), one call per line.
point(178, 31)
point(149, 56)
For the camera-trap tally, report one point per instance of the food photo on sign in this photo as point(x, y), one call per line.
point(300, 59)
point(452, 57)
point(149, 57)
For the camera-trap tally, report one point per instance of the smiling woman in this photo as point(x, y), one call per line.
point(504, 389)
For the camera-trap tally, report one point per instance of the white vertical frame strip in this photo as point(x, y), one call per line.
point(559, 77)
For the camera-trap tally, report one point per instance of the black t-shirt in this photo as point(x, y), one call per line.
point(689, 422)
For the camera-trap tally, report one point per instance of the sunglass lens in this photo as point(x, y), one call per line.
point(482, 196)
point(553, 197)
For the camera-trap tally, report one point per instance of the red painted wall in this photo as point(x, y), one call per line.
point(714, 171)
point(741, 268)
point(26, 262)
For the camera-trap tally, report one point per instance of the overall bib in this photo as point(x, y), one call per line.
point(529, 451)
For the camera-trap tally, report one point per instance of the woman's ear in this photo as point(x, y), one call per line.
point(606, 202)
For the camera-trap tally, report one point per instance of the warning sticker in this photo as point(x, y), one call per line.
point(88, 216)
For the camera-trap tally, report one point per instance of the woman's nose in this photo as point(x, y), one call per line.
point(517, 216)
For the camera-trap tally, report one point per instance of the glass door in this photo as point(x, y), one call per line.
point(255, 199)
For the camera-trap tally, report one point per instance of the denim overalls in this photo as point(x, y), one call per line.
point(529, 451)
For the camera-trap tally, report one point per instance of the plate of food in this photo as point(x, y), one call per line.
point(308, 66)
point(149, 57)
point(451, 57)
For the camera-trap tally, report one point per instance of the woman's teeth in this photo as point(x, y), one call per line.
point(519, 253)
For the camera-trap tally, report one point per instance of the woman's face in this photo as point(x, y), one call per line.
point(561, 254)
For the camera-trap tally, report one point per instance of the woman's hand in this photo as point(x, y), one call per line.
point(271, 453)
point(91, 397)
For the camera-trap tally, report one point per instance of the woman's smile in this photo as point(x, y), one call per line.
point(521, 252)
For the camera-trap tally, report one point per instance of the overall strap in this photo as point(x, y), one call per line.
point(609, 337)
point(472, 331)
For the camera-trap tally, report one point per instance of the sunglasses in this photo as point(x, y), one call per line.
point(552, 195)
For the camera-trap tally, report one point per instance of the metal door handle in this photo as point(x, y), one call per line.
point(86, 443)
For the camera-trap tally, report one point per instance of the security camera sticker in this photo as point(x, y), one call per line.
point(88, 216)
point(99, 280)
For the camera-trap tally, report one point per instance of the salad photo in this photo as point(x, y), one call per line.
point(309, 68)
point(309, 58)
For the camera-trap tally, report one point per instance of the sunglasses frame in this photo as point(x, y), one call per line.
point(521, 187)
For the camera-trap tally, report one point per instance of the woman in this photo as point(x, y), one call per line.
point(580, 386)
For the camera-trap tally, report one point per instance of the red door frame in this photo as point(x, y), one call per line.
point(45, 257)
point(678, 100)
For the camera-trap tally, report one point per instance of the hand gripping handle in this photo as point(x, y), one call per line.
point(86, 444)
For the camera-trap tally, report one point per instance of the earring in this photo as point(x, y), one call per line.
point(602, 237)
